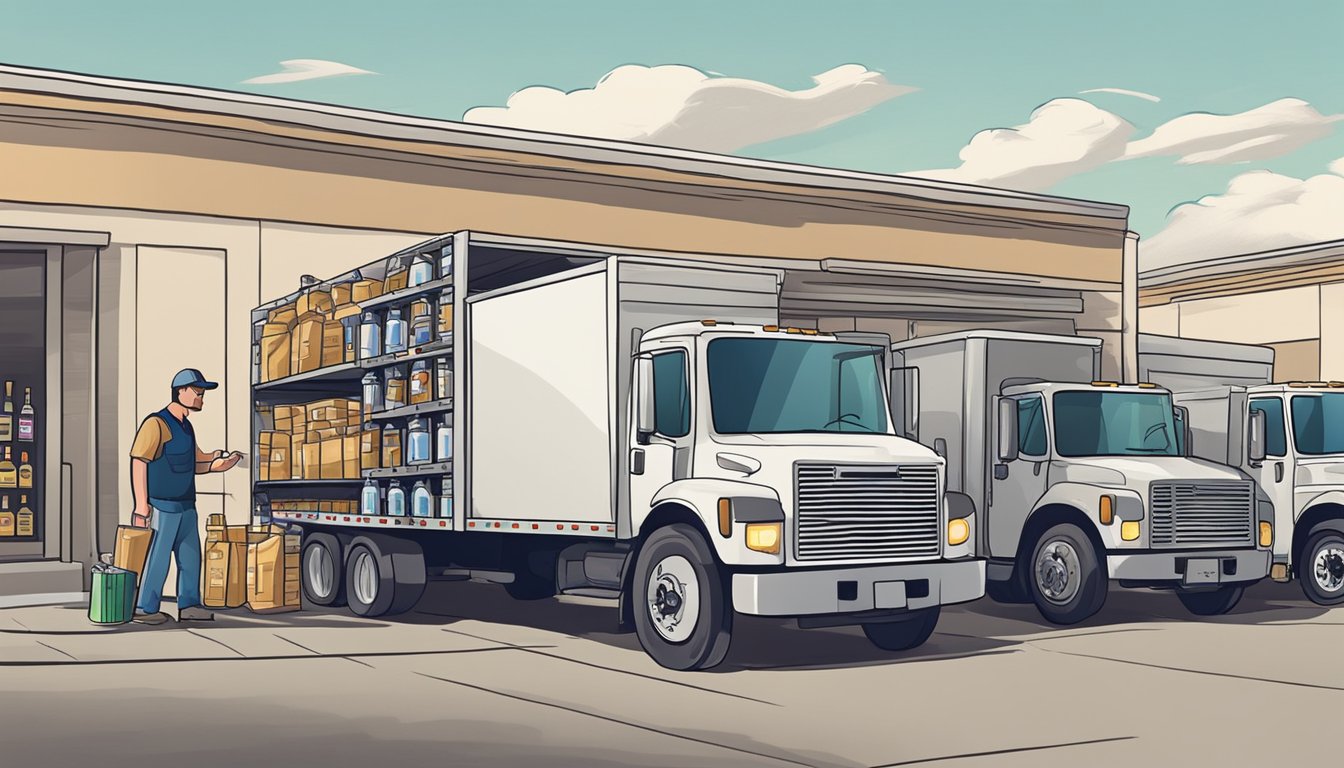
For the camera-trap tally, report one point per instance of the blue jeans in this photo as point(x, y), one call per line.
point(174, 534)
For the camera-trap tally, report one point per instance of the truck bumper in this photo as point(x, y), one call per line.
point(908, 586)
point(1189, 567)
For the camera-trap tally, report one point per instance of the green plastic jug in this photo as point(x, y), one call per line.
point(112, 595)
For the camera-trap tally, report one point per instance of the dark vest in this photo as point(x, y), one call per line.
point(172, 476)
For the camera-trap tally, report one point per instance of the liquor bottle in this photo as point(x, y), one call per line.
point(23, 522)
point(7, 414)
point(6, 518)
point(25, 471)
point(9, 474)
point(26, 416)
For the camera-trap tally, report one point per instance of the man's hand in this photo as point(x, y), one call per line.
point(140, 516)
point(226, 462)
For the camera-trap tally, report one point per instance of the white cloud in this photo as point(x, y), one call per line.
point(1124, 92)
point(1259, 211)
point(295, 70)
point(681, 106)
point(1267, 131)
point(1063, 137)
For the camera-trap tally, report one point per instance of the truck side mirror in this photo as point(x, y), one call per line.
point(1255, 448)
point(940, 446)
point(1007, 430)
point(644, 402)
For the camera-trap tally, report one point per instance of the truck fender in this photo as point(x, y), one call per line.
point(751, 503)
point(1084, 498)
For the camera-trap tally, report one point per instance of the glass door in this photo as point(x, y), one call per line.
point(23, 401)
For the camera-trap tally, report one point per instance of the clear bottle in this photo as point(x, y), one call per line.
point(25, 471)
point(418, 442)
point(422, 501)
point(446, 314)
point(394, 333)
point(422, 270)
point(370, 336)
point(6, 518)
point(369, 498)
point(443, 378)
point(396, 500)
point(443, 440)
point(422, 324)
point(7, 414)
point(446, 261)
point(9, 474)
point(445, 505)
point(26, 416)
point(23, 521)
point(373, 393)
point(422, 386)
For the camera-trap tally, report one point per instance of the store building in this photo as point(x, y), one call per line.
point(153, 218)
point(1291, 299)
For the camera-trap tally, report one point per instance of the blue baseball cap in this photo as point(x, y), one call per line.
point(190, 377)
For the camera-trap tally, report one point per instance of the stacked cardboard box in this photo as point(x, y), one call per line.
point(311, 332)
point(337, 506)
point(225, 564)
point(320, 440)
point(272, 570)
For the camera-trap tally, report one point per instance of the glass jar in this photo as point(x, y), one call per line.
point(418, 442)
point(422, 386)
point(394, 390)
point(369, 498)
point(445, 315)
point(443, 440)
point(446, 261)
point(421, 270)
point(370, 336)
point(373, 393)
point(422, 324)
point(394, 333)
point(445, 506)
point(443, 379)
point(422, 501)
point(396, 500)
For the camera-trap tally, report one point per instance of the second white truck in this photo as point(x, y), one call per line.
point(1077, 482)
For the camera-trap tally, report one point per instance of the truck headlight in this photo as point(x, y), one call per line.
point(1266, 534)
point(765, 537)
point(1129, 530)
point(958, 531)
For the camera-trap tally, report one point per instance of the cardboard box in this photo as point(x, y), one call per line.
point(284, 418)
point(225, 574)
point(314, 301)
point(391, 448)
point(276, 355)
point(273, 572)
point(325, 433)
point(333, 459)
point(333, 343)
point(274, 453)
point(364, 290)
point(312, 461)
point(326, 410)
point(371, 448)
point(306, 344)
point(341, 293)
point(296, 449)
point(132, 549)
point(285, 315)
point(350, 457)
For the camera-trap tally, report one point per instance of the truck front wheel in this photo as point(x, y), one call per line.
point(1066, 580)
point(905, 634)
point(683, 617)
point(1321, 568)
point(1214, 602)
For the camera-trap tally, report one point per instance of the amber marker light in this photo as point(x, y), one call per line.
point(1106, 509)
point(726, 517)
point(1266, 534)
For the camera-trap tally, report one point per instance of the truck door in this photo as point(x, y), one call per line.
point(1276, 473)
point(1017, 485)
point(656, 456)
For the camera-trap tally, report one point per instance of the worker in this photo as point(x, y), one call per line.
point(164, 463)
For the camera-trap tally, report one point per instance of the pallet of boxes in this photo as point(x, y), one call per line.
point(316, 331)
point(272, 569)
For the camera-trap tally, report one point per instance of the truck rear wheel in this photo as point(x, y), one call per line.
point(683, 617)
point(383, 575)
point(1213, 602)
point(1321, 568)
point(905, 634)
point(1066, 580)
point(323, 573)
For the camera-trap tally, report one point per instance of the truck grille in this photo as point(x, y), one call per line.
point(866, 512)
point(1201, 514)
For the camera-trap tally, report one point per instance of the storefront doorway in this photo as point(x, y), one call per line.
point(23, 405)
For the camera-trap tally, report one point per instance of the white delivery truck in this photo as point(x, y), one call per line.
point(1077, 482)
point(639, 427)
point(1289, 437)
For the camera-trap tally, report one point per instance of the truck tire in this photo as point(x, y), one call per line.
point(683, 617)
point(1065, 579)
point(1321, 568)
point(904, 634)
point(323, 571)
point(383, 575)
point(1213, 602)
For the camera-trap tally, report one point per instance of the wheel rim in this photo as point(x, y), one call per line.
point(674, 598)
point(321, 571)
point(365, 578)
point(1057, 571)
point(1328, 566)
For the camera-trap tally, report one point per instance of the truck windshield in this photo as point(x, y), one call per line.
point(1114, 424)
point(759, 386)
point(1318, 424)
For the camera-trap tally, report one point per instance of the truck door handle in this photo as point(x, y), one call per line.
point(1000, 471)
point(1278, 471)
point(637, 461)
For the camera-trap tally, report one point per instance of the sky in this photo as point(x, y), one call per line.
point(904, 87)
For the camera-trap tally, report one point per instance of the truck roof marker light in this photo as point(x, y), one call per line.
point(1105, 383)
point(809, 331)
point(709, 323)
point(535, 526)
point(1146, 385)
point(793, 330)
point(770, 328)
point(1336, 384)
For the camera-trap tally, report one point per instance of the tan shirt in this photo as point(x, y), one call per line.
point(149, 441)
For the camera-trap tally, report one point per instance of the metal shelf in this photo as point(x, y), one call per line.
point(435, 406)
point(414, 470)
point(437, 348)
point(333, 373)
point(407, 294)
point(300, 483)
point(363, 521)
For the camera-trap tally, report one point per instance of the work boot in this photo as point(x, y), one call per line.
point(151, 618)
point(195, 613)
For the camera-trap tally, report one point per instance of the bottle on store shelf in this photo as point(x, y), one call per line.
point(446, 505)
point(394, 332)
point(446, 261)
point(7, 414)
point(443, 378)
point(370, 336)
point(373, 393)
point(396, 500)
point(418, 442)
point(26, 416)
point(443, 440)
point(6, 518)
point(422, 501)
point(446, 314)
point(368, 498)
point(422, 386)
point(394, 390)
point(23, 521)
point(9, 474)
point(25, 471)
point(422, 324)
point(422, 270)
point(396, 274)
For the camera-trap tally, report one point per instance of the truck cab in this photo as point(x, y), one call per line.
point(765, 475)
point(1079, 482)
